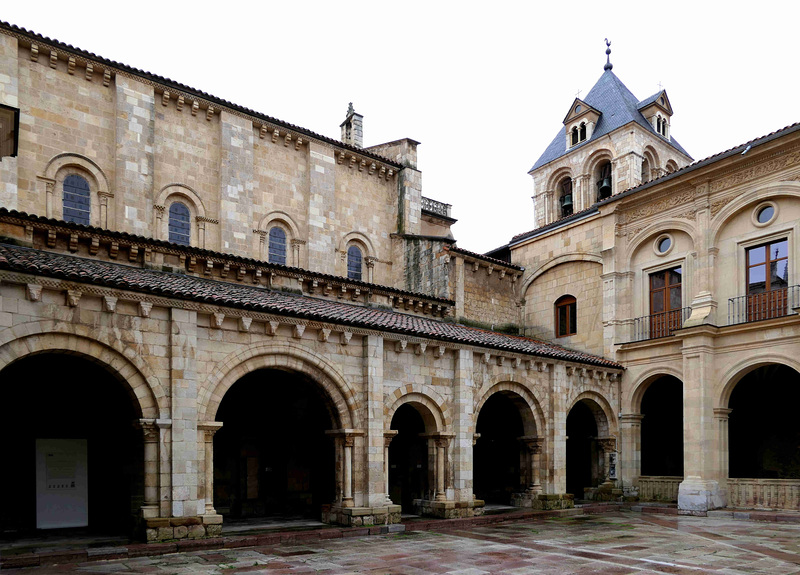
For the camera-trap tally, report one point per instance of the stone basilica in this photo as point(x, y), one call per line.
point(208, 314)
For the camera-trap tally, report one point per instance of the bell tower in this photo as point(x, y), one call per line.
point(610, 141)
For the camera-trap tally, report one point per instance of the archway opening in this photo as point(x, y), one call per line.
point(583, 454)
point(662, 428)
point(763, 429)
point(272, 456)
point(498, 451)
point(72, 456)
point(409, 457)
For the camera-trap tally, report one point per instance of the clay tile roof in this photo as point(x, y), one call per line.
point(486, 258)
point(179, 286)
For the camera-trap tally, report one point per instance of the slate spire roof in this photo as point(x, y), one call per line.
point(618, 107)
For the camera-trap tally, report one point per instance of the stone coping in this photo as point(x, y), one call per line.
point(80, 555)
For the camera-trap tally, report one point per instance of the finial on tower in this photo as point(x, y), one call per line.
point(608, 65)
point(350, 108)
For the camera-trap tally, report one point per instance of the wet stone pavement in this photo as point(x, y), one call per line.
point(616, 543)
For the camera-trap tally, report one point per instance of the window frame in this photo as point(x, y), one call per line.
point(284, 255)
point(351, 273)
point(570, 303)
point(170, 225)
point(766, 263)
point(64, 200)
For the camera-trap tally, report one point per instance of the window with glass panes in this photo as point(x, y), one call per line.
point(354, 263)
point(180, 227)
point(768, 280)
point(277, 246)
point(665, 302)
point(566, 316)
point(77, 200)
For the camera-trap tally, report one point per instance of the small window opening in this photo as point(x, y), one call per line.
point(566, 316)
point(354, 260)
point(180, 228)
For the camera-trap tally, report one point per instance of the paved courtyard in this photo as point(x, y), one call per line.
point(622, 542)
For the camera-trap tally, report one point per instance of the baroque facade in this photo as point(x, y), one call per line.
point(208, 314)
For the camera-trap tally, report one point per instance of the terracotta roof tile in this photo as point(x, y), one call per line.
point(77, 269)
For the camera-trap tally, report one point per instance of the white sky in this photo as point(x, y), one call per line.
point(484, 86)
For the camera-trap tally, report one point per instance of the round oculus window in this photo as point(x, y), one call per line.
point(664, 244)
point(765, 214)
point(577, 108)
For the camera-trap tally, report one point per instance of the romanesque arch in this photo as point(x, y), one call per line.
point(123, 361)
point(285, 357)
point(529, 408)
point(428, 403)
point(556, 261)
point(61, 166)
point(638, 389)
point(647, 234)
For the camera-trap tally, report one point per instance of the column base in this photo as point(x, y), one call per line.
point(698, 496)
point(448, 509)
point(541, 501)
point(360, 516)
point(157, 529)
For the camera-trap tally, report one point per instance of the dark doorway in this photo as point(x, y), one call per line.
point(497, 452)
point(582, 451)
point(272, 455)
point(53, 396)
point(662, 428)
point(763, 429)
point(408, 459)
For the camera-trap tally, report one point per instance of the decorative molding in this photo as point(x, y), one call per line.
point(144, 308)
point(785, 161)
point(34, 292)
point(109, 303)
point(244, 323)
point(73, 297)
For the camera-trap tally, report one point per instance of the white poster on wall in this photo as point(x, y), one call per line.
point(62, 489)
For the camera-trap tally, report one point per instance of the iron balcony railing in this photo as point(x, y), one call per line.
point(765, 305)
point(439, 208)
point(660, 324)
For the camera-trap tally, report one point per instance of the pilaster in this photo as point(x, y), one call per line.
point(184, 437)
point(323, 225)
point(463, 388)
point(9, 95)
point(374, 484)
point(135, 128)
point(630, 465)
point(237, 183)
point(557, 430)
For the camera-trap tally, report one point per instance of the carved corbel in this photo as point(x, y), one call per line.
point(73, 242)
point(106, 78)
point(53, 59)
point(324, 334)
point(438, 351)
point(113, 250)
point(372, 168)
point(71, 66)
point(218, 319)
point(287, 139)
point(271, 327)
point(133, 253)
point(34, 53)
point(356, 293)
point(262, 132)
point(240, 273)
point(570, 370)
point(345, 337)
point(389, 174)
point(420, 348)
point(341, 158)
point(244, 323)
point(298, 143)
point(486, 357)
point(400, 346)
point(34, 292)
point(501, 360)
point(257, 276)
point(144, 308)
point(275, 135)
point(226, 267)
point(542, 366)
point(383, 172)
point(517, 362)
point(73, 297)
point(179, 104)
point(297, 332)
point(109, 303)
point(489, 270)
point(209, 267)
point(209, 113)
point(475, 266)
point(51, 238)
point(352, 161)
point(362, 165)
point(195, 107)
point(502, 274)
point(89, 71)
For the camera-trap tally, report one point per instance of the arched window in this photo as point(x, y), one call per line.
point(604, 181)
point(180, 227)
point(354, 259)
point(645, 170)
point(566, 316)
point(582, 135)
point(277, 246)
point(77, 200)
point(566, 198)
point(574, 135)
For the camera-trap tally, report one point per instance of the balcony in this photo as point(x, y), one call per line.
point(765, 305)
point(434, 207)
point(659, 325)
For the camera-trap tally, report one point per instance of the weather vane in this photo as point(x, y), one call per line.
point(608, 65)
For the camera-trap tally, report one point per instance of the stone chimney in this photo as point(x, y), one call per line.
point(353, 128)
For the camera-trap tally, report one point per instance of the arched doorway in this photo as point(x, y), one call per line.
point(76, 459)
point(410, 465)
point(764, 433)
point(662, 428)
point(588, 446)
point(499, 462)
point(272, 457)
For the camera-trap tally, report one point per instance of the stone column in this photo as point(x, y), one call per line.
point(201, 232)
point(50, 199)
point(347, 497)
point(631, 448)
point(104, 199)
point(374, 480)
point(370, 263)
point(721, 415)
point(158, 232)
point(608, 445)
point(441, 446)
point(533, 447)
point(151, 468)
point(387, 439)
point(208, 429)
